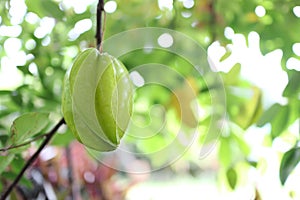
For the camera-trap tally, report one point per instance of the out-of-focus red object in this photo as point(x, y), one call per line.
point(88, 179)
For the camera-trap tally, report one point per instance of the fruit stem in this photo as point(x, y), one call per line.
point(100, 27)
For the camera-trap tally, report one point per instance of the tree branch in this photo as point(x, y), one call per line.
point(23, 144)
point(99, 32)
point(213, 20)
point(70, 172)
point(32, 158)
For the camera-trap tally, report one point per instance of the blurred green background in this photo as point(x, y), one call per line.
point(253, 45)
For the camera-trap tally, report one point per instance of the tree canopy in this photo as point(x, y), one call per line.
point(253, 50)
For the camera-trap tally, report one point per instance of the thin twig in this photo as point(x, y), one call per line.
point(213, 19)
point(70, 171)
point(32, 158)
point(100, 10)
point(23, 144)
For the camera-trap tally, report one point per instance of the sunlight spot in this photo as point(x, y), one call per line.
point(55, 61)
point(188, 3)
point(296, 49)
point(137, 79)
point(110, 6)
point(10, 76)
point(17, 11)
point(89, 177)
point(294, 128)
point(293, 63)
point(79, 28)
point(296, 11)
point(70, 51)
point(29, 57)
point(186, 14)
point(30, 44)
point(280, 145)
point(254, 47)
point(48, 153)
point(49, 71)
point(12, 46)
point(46, 41)
point(264, 71)
point(215, 51)
point(79, 9)
point(21, 55)
point(158, 17)
point(33, 69)
point(229, 33)
point(83, 26)
point(10, 31)
point(207, 39)
point(260, 11)
point(32, 18)
point(165, 40)
point(39, 33)
point(61, 6)
point(194, 24)
point(73, 35)
point(78, 5)
point(46, 26)
point(165, 4)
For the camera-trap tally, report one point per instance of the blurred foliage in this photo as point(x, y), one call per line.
point(46, 32)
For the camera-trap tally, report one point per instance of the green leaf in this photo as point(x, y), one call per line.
point(8, 175)
point(233, 76)
point(62, 139)
point(3, 140)
point(250, 111)
point(5, 92)
point(231, 177)
point(19, 149)
point(278, 116)
point(289, 161)
point(293, 87)
point(25, 182)
point(252, 163)
point(268, 115)
point(24, 69)
point(52, 9)
point(225, 56)
point(225, 152)
point(17, 98)
point(17, 163)
point(5, 161)
point(12, 175)
point(242, 144)
point(45, 8)
point(28, 125)
point(280, 121)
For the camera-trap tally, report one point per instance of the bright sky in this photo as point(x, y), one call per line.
point(262, 70)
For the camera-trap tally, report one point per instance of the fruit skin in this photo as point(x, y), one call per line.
point(97, 100)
